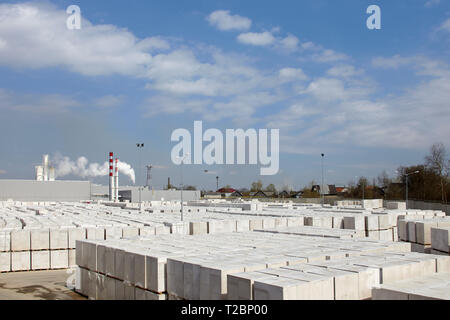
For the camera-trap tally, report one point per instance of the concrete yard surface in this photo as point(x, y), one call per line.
point(36, 285)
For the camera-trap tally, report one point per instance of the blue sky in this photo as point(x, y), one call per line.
point(371, 100)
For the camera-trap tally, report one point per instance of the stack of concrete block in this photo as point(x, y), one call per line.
point(315, 231)
point(197, 267)
point(395, 205)
point(419, 233)
point(440, 240)
point(346, 279)
point(430, 287)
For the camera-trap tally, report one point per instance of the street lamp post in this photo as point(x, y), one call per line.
point(363, 190)
point(217, 183)
point(321, 189)
point(182, 186)
point(140, 147)
point(407, 176)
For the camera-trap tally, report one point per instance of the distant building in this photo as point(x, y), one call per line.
point(329, 189)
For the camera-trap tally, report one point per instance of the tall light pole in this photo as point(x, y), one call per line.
point(363, 190)
point(182, 187)
point(407, 176)
point(140, 147)
point(217, 183)
point(321, 189)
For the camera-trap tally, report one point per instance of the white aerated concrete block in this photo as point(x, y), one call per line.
point(20, 261)
point(440, 239)
point(162, 230)
point(95, 233)
point(200, 227)
point(109, 261)
point(175, 277)
point(216, 281)
point(101, 259)
point(402, 230)
point(79, 257)
point(268, 223)
point(101, 287)
point(92, 285)
point(5, 261)
point(371, 222)
point(156, 273)
point(354, 223)
point(110, 288)
point(75, 234)
point(119, 289)
point(130, 232)
point(59, 239)
point(59, 259)
point(276, 289)
point(140, 294)
point(40, 260)
point(256, 224)
point(423, 231)
point(295, 221)
point(128, 270)
point(5, 242)
point(119, 263)
point(242, 225)
point(129, 291)
point(20, 240)
point(338, 222)
point(367, 278)
point(84, 282)
point(385, 235)
point(72, 257)
point(140, 269)
point(40, 239)
point(411, 225)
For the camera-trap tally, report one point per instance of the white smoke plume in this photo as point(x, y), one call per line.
point(82, 168)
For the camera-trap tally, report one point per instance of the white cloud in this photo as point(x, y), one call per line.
point(344, 71)
point(328, 55)
point(445, 26)
point(36, 103)
point(431, 3)
point(334, 113)
point(331, 89)
point(109, 101)
point(256, 39)
point(223, 20)
point(292, 74)
point(290, 42)
point(34, 35)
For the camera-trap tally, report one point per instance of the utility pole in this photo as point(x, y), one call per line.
point(182, 186)
point(140, 147)
point(322, 188)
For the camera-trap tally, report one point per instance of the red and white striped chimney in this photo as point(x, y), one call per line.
point(111, 178)
point(116, 181)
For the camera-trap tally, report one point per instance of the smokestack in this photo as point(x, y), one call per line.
point(45, 165)
point(116, 182)
point(111, 178)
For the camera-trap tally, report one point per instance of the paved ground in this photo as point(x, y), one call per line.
point(36, 285)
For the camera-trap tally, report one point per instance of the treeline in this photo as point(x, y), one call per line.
point(429, 181)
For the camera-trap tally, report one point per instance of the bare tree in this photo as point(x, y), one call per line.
point(383, 179)
point(438, 163)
